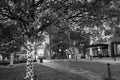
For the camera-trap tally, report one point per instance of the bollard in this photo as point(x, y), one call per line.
point(109, 70)
point(35, 77)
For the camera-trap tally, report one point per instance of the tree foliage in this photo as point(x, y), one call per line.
point(22, 20)
point(31, 17)
point(18, 22)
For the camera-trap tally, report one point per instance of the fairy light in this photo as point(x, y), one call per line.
point(29, 68)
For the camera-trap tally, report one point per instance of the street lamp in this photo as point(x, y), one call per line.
point(66, 54)
point(66, 50)
point(59, 49)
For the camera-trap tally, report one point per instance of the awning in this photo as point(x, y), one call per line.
point(97, 45)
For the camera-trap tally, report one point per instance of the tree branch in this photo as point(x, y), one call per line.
point(76, 15)
point(37, 4)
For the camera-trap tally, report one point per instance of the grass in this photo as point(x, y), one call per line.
point(42, 73)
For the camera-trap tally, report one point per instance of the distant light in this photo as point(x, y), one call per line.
point(38, 26)
point(59, 49)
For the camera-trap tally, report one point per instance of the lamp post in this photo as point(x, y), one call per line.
point(60, 53)
point(66, 54)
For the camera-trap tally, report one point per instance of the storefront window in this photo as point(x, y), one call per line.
point(118, 49)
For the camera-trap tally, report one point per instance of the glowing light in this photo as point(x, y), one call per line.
point(59, 49)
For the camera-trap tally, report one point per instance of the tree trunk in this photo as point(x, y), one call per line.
point(11, 59)
point(29, 67)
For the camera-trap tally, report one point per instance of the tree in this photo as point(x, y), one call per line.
point(32, 17)
point(21, 15)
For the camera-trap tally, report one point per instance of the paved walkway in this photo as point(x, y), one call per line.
point(102, 60)
point(85, 73)
point(81, 72)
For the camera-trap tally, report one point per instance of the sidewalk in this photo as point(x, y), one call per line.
point(78, 71)
point(101, 60)
point(95, 69)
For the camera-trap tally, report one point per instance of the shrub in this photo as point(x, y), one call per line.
point(4, 63)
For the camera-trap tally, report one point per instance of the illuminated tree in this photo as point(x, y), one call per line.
point(32, 17)
point(21, 27)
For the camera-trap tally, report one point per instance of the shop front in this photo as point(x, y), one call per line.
point(112, 49)
point(98, 50)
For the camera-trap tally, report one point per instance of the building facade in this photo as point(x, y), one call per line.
point(103, 44)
